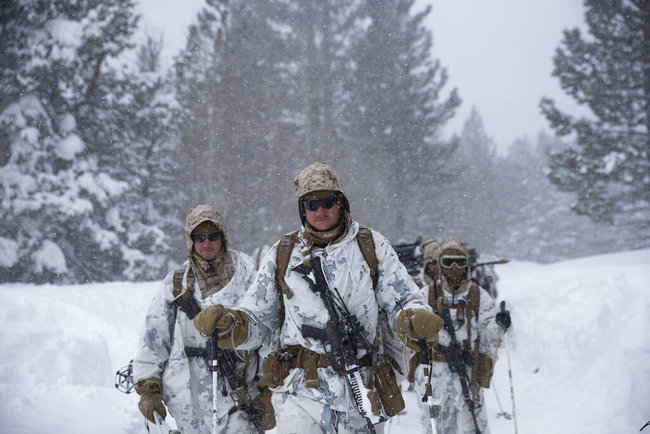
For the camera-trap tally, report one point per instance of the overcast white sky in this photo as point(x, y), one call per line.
point(498, 53)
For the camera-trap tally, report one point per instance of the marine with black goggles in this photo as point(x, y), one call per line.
point(210, 237)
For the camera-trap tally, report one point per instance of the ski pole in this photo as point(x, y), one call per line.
point(512, 391)
point(434, 410)
point(215, 379)
point(501, 412)
point(160, 422)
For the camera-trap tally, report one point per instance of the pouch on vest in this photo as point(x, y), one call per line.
point(484, 367)
point(275, 369)
point(388, 389)
point(268, 415)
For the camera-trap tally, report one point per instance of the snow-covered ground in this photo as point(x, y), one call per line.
point(580, 351)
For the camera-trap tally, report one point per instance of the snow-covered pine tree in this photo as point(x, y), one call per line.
point(64, 118)
point(536, 222)
point(149, 216)
point(608, 166)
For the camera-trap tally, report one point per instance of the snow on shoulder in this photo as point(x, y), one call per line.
point(580, 351)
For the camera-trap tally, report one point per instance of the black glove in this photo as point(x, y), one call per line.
point(503, 319)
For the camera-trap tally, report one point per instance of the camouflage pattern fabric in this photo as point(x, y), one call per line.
point(295, 415)
point(347, 271)
point(447, 391)
point(187, 382)
point(316, 177)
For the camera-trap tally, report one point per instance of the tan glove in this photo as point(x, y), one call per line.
point(231, 324)
point(150, 400)
point(416, 324)
point(215, 317)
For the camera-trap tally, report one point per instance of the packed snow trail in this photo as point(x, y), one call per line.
point(580, 349)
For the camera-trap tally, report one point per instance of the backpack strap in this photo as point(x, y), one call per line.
point(178, 282)
point(472, 309)
point(367, 246)
point(474, 300)
point(186, 302)
point(282, 261)
point(283, 255)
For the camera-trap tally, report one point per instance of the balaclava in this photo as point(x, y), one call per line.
point(453, 278)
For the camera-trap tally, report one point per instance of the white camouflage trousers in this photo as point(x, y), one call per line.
point(297, 415)
point(454, 420)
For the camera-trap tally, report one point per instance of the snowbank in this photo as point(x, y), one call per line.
point(580, 351)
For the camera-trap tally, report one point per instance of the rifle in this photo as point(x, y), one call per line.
point(406, 254)
point(482, 264)
point(222, 362)
point(341, 338)
point(458, 358)
point(225, 364)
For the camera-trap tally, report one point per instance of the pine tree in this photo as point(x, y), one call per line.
point(609, 73)
point(150, 219)
point(235, 128)
point(470, 204)
point(399, 111)
point(536, 222)
point(66, 122)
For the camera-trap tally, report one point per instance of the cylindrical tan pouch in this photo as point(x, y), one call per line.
point(484, 368)
point(388, 389)
point(264, 402)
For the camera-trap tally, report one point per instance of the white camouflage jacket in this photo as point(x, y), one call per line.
point(187, 382)
point(345, 270)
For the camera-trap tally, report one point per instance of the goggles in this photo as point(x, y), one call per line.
point(448, 261)
point(210, 237)
point(314, 204)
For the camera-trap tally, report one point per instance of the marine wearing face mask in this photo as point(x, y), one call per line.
point(454, 267)
point(470, 335)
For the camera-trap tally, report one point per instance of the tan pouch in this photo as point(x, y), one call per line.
point(484, 368)
point(388, 389)
point(274, 371)
point(268, 415)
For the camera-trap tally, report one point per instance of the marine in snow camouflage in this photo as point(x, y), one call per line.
point(187, 382)
point(347, 271)
point(455, 416)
